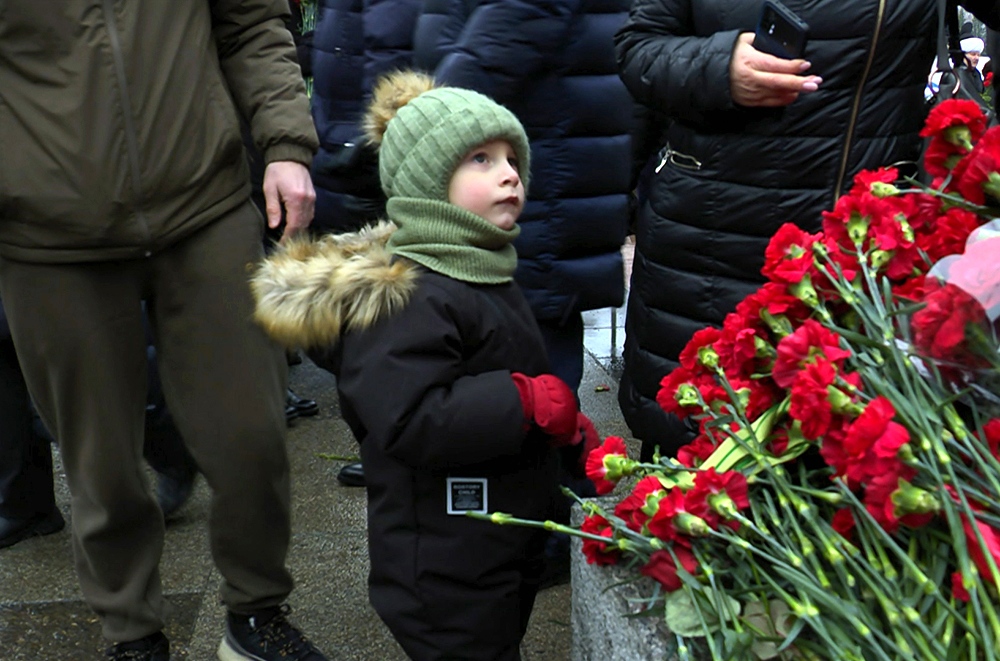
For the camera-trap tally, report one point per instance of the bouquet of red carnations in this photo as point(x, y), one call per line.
point(842, 500)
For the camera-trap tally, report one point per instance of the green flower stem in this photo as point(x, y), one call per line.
point(503, 519)
point(720, 604)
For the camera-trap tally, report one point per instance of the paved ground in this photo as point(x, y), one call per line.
point(42, 616)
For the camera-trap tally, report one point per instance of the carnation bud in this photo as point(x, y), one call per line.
point(882, 189)
point(840, 402)
point(708, 357)
point(880, 258)
point(959, 136)
point(805, 292)
point(909, 499)
point(691, 525)
point(778, 323)
point(763, 348)
point(500, 518)
point(857, 228)
point(617, 467)
point(992, 184)
point(723, 505)
point(906, 228)
point(905, 454)
point(687, 395)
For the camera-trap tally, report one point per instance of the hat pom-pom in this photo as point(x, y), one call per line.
point(391, 93)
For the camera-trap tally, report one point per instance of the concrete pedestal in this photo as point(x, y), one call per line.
point(601, 630)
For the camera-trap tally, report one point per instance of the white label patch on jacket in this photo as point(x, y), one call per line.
point(467, 494)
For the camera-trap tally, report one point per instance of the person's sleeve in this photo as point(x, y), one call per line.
point(405, 381)
point(258, 59)
point(506, 42)
point(668, 68)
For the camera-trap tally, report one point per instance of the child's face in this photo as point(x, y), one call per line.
point(488, 184)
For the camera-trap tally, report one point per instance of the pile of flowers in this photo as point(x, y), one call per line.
point(842, 499)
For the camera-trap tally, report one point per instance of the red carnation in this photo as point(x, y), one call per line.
point(703, 338)
point(879, 499)
point(976, 273)
point(663, 569)
point(991, 432)
point(948, 233)
point(803, 346)
point(954, 113)
point(636, 508)
point(604, 464)
point(939, 328)
point(598, 553)
point(776, 300)
point(677, 519)
point(788, 257)
point(973, 171)
point(873, 440)
point(695, 452)
point(957, 588)
point(679, 392)
point(991, 538)
point(863, 180)
point(810, 403)
point(718, 494)
point(843, 522)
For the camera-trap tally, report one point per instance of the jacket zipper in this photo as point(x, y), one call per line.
point(131, 139)
point(857, 103)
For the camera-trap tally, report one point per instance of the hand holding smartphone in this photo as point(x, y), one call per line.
point(767, 68)
point(780, 32)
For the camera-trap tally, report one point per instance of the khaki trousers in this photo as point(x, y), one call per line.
point(78, 332)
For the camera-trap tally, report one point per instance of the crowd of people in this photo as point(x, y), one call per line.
point(470, 170)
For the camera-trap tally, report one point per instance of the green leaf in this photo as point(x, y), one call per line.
point(682, 613)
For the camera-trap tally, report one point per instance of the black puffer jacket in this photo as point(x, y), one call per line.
point(425, 385)
point(552, 63)
point(730, 176)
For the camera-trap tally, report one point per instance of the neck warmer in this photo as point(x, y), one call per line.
point(451, 241)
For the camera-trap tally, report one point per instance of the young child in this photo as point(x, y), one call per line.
point(440, 368)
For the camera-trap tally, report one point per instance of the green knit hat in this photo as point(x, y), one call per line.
point(424, 132)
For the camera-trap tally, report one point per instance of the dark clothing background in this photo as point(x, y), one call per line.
point(734, 175)
point(356, 41)
point(552, 64)
point(25, 454)
point(449, 587)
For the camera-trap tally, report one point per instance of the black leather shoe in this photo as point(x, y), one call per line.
point(13, 531)
point(352, 475)
point(154, 647)
point(298, 407)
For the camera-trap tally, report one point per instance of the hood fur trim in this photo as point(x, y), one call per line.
point(311, 290)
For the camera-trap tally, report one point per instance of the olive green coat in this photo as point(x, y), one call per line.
point(119, 125)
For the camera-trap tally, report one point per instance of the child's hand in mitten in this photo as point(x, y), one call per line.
point(549, 403)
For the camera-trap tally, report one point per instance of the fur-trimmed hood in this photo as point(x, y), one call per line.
point(311, 290)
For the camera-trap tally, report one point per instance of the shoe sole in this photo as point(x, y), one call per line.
point(227, 652)
point(47, 527)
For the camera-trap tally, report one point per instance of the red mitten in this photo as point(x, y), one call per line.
point(550, 404)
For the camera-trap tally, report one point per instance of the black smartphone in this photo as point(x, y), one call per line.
point(780, 32)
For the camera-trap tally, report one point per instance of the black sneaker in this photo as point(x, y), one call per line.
point(265, 635)
point(154, 647)
point(13, 531)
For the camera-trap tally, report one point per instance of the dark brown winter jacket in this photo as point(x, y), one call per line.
point(119, 131)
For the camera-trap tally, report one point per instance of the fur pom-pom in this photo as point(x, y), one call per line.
point(391, 93)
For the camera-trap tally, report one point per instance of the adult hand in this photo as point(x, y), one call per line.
point(760, 80)
point(288, 184)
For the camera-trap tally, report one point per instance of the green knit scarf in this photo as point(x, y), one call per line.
point(452, 241)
